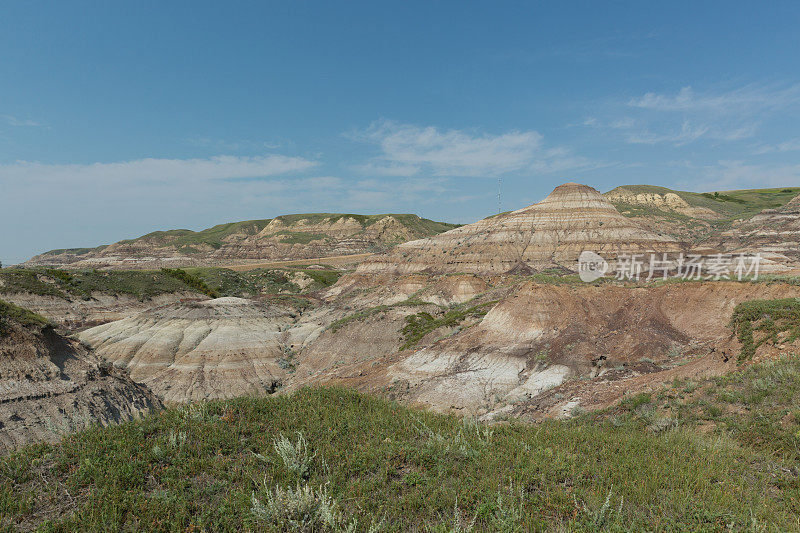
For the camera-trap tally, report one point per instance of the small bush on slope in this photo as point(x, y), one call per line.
point(13, 313)
point(381, 466)
point(192, 281)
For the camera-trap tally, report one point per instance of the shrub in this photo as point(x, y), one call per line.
point(192, 281)
point(302, 509)
point(296, 456)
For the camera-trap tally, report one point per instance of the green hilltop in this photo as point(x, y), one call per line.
point(215, 236)
point(731, 205)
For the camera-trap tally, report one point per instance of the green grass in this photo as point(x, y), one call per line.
point(213, 237)
point(190, 280)
point(758, 321)
point(213, 467)
point(74, 251)
point(81, 284)
point(730, 205)
point(413, 222)
point(263, 281)
point(144, 284)
point(13, 313)
point(755, 408)
point(363, 314)
point(421, 324)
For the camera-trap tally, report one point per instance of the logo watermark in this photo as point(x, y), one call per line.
point(637, 267)
point(591, 266)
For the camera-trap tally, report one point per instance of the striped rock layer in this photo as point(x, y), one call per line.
point(51, 385)
point(220, 348)
point(773, 233)
point(551, 233)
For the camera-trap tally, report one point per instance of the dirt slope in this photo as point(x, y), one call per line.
point(774, 233)
point(193, 350)
point(51, 385)
point(531, 338)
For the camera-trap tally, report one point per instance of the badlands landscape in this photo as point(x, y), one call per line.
point(477, 338)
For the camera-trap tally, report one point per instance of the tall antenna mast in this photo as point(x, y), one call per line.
point(499, 189)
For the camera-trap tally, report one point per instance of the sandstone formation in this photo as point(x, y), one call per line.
point(593, 343)
point(774, 233)
point(694, 217)
point(51, 385)
point(102, 307)
point(288, 237)
point(458, 322)
point(551, 233)
point(221, 348)
point(665, 200)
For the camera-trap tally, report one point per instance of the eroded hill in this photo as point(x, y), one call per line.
point(288, 237)
point(51, 385)
point(551, 233)
point(692, 216)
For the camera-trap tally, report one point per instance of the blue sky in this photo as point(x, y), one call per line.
point(120, 118)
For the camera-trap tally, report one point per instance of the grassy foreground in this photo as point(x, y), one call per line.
point(329, 459)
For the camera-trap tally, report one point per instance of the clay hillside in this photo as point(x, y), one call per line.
point(692, 216)
point(774, 233)
point(288, 237)
point(51, 385)
point(205, 349)
point(551, 233)
point(486, 319)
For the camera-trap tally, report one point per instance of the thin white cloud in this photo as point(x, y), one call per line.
point(688, 133)
point(22, 122)
point(224, 145)
point(152, 170)
point(408, 150)
point(748, 99)
point(688, 116)
point(736, 174)
point(384, 168)
point(453, 152)
point(787, 146)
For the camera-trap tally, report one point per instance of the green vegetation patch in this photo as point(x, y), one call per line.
point(420, 324)
point(187, 240)
point(143, 284)
point(413, 222)
point(69, 284)
point(758, 321)
point(730, 205)
point(756, 408)
point(371, 311)
point(13, 313)
point(326, 459)
point(192, 281)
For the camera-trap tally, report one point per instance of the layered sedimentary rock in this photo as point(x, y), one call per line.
point(289, 237)
point(663, 201)
point(553, 232)
point(221, 348)
point(774, 233)
point(553, 346)
point(102, 307)
point(51, 385)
